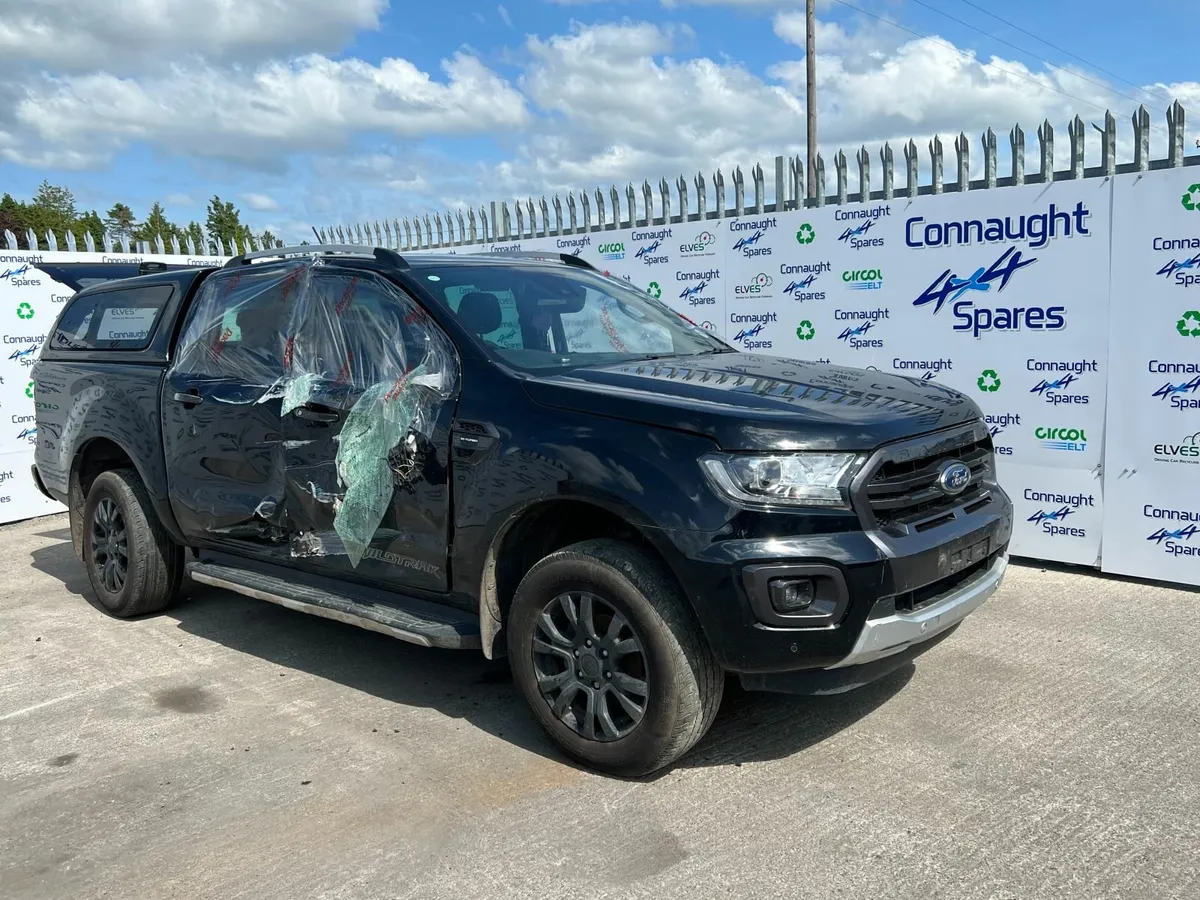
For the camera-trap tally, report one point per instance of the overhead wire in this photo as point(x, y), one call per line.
point(1040, 59)
point(1063, 50)
point(969, 56)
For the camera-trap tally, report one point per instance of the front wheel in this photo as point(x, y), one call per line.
point(610, 658)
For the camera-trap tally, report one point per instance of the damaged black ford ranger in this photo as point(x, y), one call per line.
point(521, 455)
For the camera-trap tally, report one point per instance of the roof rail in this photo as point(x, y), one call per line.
point(382, 254)
point(568, 258)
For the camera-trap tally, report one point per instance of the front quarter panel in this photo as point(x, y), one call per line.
point(649, 476)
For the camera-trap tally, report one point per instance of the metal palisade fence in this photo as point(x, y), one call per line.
point(210, 245)
point(533, 219)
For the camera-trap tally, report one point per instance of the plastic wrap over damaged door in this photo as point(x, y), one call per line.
point(362, 376)
point(357, 347)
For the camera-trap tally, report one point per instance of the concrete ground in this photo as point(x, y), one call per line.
point(233, 749)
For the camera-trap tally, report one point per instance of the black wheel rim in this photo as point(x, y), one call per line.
point(110, 548)
point(590, 666)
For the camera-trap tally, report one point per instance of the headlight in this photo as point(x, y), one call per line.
point(784, 479)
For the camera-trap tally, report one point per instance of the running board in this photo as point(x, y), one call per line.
point(415, 621)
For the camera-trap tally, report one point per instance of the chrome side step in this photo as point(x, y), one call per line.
point(423, 626)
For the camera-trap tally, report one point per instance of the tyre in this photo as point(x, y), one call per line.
point(134, 566)
point(610, 658)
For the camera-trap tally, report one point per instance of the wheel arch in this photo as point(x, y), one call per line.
point(537, 530)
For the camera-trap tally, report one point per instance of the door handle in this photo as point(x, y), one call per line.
point(316, 415)
point(191, 398)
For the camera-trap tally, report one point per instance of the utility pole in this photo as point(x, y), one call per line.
point(810, 63)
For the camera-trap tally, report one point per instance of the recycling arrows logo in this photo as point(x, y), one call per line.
point(29, 390)
point(654, 290)
point(25, 311)
point(1191, 198)
point(805, 331)
point(1189, 325)
point(988, 381)
point(806, 234)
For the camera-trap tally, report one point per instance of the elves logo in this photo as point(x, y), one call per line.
point(758, 284)
point(1187, 451)
point(700, 246)
point(948, 287)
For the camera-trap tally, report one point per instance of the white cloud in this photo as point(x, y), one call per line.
point(312, 103)
point(260, 202)
point(505, 17)
point(126, 36)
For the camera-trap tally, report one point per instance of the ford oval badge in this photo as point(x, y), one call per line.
point(954, 478)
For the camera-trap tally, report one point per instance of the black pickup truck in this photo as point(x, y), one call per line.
point(519, 454)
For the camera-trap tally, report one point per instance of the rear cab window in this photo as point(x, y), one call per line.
point(122, 319)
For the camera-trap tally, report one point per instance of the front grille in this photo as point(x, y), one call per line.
point(904, 495)
point(912, 601)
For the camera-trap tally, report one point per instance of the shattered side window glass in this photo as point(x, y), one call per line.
point(235, 330)
point(605, 324)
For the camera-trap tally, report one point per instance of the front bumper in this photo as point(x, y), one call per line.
point(890, 634)
point(890, 592)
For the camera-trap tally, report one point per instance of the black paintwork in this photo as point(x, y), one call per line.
point(621, 438)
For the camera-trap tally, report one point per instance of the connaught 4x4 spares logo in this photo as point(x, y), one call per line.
point(1064, 388)
point(1175, 531)
point(23, 275)
point(1054, 512)
point(698, 288)
point(859, 236)
point(861, 333)
point(749, 234)
point(752, 328)
point(801, 278)
point(653, 247)
point(1181, 391)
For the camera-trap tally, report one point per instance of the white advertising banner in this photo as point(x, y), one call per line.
point(30, 301)
point(1002, 294)
point(1152, 458)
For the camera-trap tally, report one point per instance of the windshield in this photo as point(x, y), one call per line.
point(539, 318)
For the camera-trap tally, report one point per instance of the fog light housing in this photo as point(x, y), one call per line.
point(791, 595)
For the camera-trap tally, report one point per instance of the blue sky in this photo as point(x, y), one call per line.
point(339, 112)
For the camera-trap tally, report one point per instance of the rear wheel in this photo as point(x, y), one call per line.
point(134, 566)
point(610, 658)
